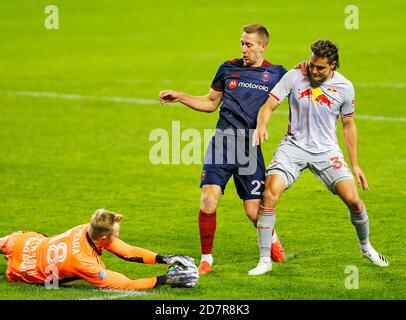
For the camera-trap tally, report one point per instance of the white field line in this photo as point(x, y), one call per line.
point(69, 96)
point(116, 294)
point(390, 85)
point(142, 101)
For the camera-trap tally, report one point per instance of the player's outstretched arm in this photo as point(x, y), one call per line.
point(136, 254)
point(108, 279)
point(131, 253)
point(208, 103)
point(102, 278)
point(350, 140)
point(260, 133)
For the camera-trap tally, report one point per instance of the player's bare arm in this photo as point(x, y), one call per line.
point(265, 113)
point(208, 103)
point(350, 139)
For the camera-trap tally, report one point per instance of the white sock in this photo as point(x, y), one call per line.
point(361, 224)
point(365, 247)
point(267, 260)
point(265, 226)
point(208, 258)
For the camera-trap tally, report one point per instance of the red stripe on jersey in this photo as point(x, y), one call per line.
point(266, 63)
point(273, 96)
point(237, 61)
point(348, 114)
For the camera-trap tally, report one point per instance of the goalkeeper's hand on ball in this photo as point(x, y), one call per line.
point(181, 271)
point(182, 276)
point(185, 261)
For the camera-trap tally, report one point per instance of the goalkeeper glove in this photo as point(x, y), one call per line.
point(185, 261)
point(178, 276)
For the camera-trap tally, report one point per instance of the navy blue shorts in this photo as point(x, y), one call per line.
point(232, 155)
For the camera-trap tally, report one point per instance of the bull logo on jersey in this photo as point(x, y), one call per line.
point(317, 96)
point(233, 84)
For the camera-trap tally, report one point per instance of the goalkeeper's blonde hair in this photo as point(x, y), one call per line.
point(102, 223)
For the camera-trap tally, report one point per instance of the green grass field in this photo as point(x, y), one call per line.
point(68, 147)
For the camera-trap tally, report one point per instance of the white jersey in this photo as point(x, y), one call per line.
point(313, 111)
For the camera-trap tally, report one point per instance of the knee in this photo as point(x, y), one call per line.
point(347, 191)
point(270, 198)
point(252, 214)
point(209, 201)
point(354, 203)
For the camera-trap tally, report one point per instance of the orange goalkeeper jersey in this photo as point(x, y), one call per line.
point(34, 258)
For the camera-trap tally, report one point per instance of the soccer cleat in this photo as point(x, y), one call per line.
point(375, 257)
point(262, 267)
point(277, 251)
point(204, 267)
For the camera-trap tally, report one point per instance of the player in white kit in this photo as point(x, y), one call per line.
point(316, 101)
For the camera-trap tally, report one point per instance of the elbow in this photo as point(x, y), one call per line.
point(211, 109)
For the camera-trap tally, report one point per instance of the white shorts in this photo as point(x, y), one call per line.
point(289, 161)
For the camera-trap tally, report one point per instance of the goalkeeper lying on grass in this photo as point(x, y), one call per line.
point(75, 254)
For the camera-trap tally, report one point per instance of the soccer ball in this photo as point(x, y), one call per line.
point(176, 267)
point(179, 275)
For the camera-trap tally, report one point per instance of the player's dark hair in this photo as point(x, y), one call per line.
point(259, 29)
point(326, 49)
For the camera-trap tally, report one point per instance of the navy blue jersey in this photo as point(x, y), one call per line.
point(245, 90)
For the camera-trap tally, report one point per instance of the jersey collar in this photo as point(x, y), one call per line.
point(239, 62)
point(89, 240)
point(266, 63)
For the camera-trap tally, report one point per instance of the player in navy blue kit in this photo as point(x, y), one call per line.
point(241, 86)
